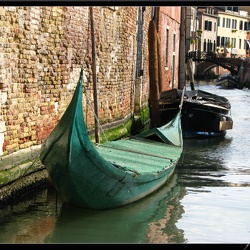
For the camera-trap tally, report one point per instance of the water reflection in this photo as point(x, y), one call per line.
point(29, 221)
point(205, 152)
point(199, 168)
point(151, 220)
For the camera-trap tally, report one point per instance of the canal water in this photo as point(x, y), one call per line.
point(206, 201)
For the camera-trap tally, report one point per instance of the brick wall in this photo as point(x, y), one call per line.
point(42, 50)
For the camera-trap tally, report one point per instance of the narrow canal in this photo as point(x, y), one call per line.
point(206, 201)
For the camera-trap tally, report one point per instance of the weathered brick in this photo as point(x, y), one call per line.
point(43, 49)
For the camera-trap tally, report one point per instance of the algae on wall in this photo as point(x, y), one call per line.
point(131, 126)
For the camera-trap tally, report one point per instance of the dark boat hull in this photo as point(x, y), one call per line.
point(228, 81)
point(199, 118)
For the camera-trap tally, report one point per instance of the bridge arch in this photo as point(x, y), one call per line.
point(210, 67)
point(209, 60)
point(204, 67)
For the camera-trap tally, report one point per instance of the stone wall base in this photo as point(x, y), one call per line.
point(27, 184)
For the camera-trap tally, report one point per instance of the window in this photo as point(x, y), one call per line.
point(241, 25)
point(173, 71)
point(214, 27)
point(223, 41)
point(248, 25)
point(245, 25)
point(209, 45)
point(239, 43)
point(139, 55)
point(234, 24)
point(218, 21)
point(167, 45)
point(228, 23)
point(247, 44)
point(174, 42)
point(223, 24)
point(232, 8)
point(208, 25)
point(233, 42)
point(218, 41)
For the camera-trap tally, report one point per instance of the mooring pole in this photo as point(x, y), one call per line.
point(97, 137)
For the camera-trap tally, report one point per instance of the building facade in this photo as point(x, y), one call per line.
point(232, 32)
point(169, 21)
point(223, 30)
point(207, 29)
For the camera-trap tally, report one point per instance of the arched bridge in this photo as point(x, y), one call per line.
point(212, 59)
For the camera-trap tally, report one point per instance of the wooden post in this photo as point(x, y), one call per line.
point(160, 82)
point(153, 75)
point(182, 54)
point(97, 137)
point(190, 72)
